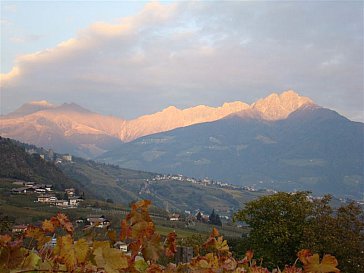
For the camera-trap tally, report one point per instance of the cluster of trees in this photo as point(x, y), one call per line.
point(283, 223)
point(214, 218)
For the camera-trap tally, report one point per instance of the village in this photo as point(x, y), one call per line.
point(46, 194)
point(206, 182)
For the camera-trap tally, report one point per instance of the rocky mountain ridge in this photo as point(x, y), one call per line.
point(71, 128)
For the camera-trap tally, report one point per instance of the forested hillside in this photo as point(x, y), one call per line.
point(16, 163)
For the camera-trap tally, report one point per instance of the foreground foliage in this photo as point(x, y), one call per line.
point(34, 251)
point(284, 223)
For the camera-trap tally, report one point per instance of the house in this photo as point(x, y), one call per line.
point(49, 187)
point(46, 198)
point(98, 221)
point(19, 229)
point(21, 190)
point(52, 199)
point(123, 247)
point(62, 203)
point(70, 192)
point(29, 184)
point(40, 190)
point(67, 157)
point(174, 217)
point(74, 201)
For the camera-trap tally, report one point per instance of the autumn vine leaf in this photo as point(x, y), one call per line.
point(37, 234)
point(303, 255)
point(170, 244)
point(313, 265)
point(48, 226)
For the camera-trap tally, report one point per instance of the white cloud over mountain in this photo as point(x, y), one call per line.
point(190, 53)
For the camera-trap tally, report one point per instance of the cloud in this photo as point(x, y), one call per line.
point(190, 53)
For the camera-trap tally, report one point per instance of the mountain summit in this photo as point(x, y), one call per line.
point(30, 108)
point(275, 106)
point(172, 117)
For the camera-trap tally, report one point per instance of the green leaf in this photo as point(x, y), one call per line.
point(141, 265)
point(31, 261)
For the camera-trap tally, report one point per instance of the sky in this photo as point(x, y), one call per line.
point(129, 58)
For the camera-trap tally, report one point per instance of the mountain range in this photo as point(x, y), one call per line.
point(71, 128)
point(284, 141)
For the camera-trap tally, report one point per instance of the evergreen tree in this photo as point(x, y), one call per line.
point(199, 217)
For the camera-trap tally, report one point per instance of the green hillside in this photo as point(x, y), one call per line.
point(124, 186)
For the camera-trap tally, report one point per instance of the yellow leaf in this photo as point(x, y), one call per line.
point(203, 264)
point(65, 251)
point(221, 245)
point(328, 264)
point(81, 249)
point(214, 233)
point(108, 258)
point(31, 261)
point(141, 265)
point(47, 225)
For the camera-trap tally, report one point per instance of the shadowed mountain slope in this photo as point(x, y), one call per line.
point(312, 149)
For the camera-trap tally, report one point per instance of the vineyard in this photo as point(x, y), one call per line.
point(148, 251)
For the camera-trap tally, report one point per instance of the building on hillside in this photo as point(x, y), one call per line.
point(98, 221)
point(46, 198)
point(30, 184)
point(67, 158)
point(19, 229)
point(70, 192)
point(62, 203)
point(74, 201)
point(22, 190)
point(40, 189)
point(174, 217)
point(123, 247)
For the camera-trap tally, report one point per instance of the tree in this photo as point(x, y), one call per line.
point(278, 222)
point(214, 219)
point(199, 217)
point(339, 232)
point(283, 223)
